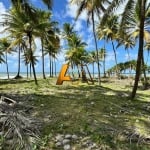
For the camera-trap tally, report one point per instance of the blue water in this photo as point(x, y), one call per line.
point(3, 75)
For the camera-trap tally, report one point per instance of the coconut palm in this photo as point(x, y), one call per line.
point(102, 57)
point(42, 27)
point(5, 48)
point(52, 50)
point(26, 60)
point(134, 29)
point(19, 25)
point(92, 7)
point(126, 21)
point(110, 33)
point(127, 42)
point(91, 58)
point(76, 52)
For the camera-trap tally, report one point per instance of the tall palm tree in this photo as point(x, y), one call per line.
point(125, 23)
point(52, 50)
point(5, 48)
point(42, 27)
point(92, 7)
point(91, 57)
point(76, 52)
point(134, 30)
point(102, 56)
point(109, 31)
point(127, 42)
point(26, 60)
point(19, 24)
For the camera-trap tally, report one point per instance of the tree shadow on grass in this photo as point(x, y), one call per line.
point(111, 119)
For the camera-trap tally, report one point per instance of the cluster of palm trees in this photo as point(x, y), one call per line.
point(129, 66)
point(129, 28)
point(25, 23)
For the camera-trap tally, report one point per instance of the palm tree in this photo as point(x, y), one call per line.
point(134, 30)
point(19, 25)
point(5, 48)
point(26, 60)
point(76, 52)
point(109, 31)
point(102, 56)
point(52, 50)
point(127, 16)
point(42, 27)
point(127, 42)
point(91, 57)
point(92, 7)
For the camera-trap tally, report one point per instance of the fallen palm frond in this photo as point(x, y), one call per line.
point(18, 130)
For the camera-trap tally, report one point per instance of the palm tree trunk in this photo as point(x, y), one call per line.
point(7, 65)
point(142, 4)
point(104, 61)
point(31, 57)
point(95, 39)
point(43, 69)
point(117, 71)
point(18, 74)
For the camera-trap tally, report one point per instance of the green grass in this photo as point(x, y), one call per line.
point(105, 113)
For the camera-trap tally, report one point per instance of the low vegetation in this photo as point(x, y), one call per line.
point(104, 114)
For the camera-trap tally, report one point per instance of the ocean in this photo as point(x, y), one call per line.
point(3, 75)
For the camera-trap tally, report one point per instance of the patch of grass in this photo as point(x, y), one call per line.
point(105, 113)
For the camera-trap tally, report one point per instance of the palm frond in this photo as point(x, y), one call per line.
point(111, 8)
point(127, 17)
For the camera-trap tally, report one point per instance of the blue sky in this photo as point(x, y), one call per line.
point(65, 12)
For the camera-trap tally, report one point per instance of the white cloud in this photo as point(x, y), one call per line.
point(71, 11)
point(78, 25)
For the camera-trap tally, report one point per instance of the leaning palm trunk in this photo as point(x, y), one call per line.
point(142, 4)
point(97, 58)
point(31, 57)
point(7, 65)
